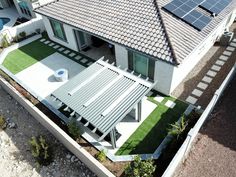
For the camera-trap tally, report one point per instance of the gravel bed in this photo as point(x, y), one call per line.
point(214, 154)
point(16, 159)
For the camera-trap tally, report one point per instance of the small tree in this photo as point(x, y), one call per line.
point(74, 129)
point(22, 34)
point(178, 127)
point(40, 150)
point(3, 123)
point(5, 43)
point(101, 156)
point(138, 168)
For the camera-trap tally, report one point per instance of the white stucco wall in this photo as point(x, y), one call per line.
point(71, 42)
point(121, 56)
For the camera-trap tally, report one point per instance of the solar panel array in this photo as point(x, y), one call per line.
point(215, 6)
point(186, 10)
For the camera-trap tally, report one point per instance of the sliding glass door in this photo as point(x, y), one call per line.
point(141, 64)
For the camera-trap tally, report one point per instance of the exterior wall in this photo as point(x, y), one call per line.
point(163, 76)
point(181, 71)
point(168, 77)
point(71, 41)
point(121, 56)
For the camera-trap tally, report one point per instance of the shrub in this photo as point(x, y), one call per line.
point(5, 43)
point(178, 127)
point(3, 123)
point(140, 168)
point(22, 34)
point(40, 150)
point(101, 156)
point(74, 129)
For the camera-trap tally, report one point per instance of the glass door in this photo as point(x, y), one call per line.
point(81, 40)
point(140, 64)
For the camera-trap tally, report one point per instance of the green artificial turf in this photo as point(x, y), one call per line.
point(26, 56)
point(153, 130)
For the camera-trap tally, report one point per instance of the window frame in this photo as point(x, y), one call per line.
point(150, 72)
point(62, 29)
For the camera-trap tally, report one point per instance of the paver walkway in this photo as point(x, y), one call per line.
point(202, 82)
point(77, 57)
point(214, 154)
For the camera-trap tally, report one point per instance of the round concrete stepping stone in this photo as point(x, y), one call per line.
point(211, 73)
point(46, 42)
point(224, 58)
point(56, 46)
point(216, 68)
point(72, 54)
point(233, 44)
point(78, 57)
point(51, 44)
point(207, 79)
point(84, 60)
point(191, 100)
point(220, 63)
point(66, 51)
point(227, 53)
point(197, 92)
point(61, 49)
point(230, 48)
point(159, 98)
point(202, 85)
point(42, 40)
point(170, 104)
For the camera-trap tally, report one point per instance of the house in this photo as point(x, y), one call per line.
point(149, 37)
point(159, 42)
point(23, 7)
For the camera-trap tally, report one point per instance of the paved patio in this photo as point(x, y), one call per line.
point(202, 82)
point(39, 77)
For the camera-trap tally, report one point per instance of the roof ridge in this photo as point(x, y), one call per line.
point(166, 33)
point(45, 4)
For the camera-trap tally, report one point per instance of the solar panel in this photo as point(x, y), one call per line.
point(197, 19)
point(215, 6)
point(185, 10)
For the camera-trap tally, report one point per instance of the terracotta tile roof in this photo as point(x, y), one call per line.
point(141, 25)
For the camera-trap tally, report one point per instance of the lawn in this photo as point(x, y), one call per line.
point(26, 56)
point(153, 130)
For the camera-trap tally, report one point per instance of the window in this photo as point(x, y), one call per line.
point(58, 30)
point(24, 8)
point(141, 64)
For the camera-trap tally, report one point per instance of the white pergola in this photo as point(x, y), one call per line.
point(101, 96)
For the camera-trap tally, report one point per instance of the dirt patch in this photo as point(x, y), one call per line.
point(117, 168)
point(214, 154)
point(16, 159)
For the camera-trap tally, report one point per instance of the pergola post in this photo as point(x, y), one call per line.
point(113, 138)
point(139, 111)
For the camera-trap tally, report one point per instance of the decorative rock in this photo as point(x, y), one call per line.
point(68, 156)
